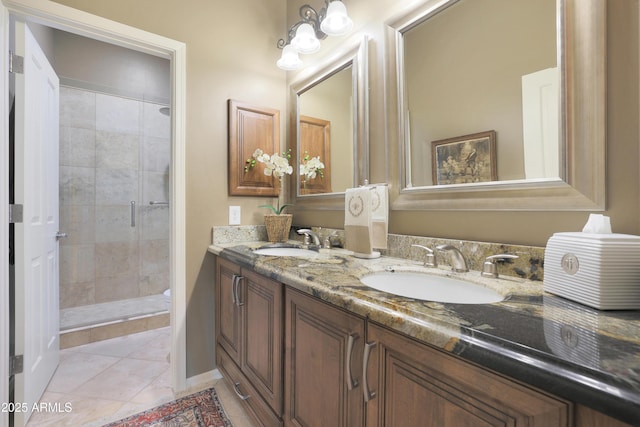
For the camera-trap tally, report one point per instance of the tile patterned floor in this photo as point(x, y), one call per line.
point(112, 379)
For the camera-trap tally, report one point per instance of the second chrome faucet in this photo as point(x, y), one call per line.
point(458, 263)
point(308, 235)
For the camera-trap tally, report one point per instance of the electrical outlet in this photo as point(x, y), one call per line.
point(234, 215)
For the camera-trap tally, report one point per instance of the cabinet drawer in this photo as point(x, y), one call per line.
point(251, 400)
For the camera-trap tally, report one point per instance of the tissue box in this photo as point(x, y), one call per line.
point(598, 270)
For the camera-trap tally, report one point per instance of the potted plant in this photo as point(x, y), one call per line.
point(277, 165)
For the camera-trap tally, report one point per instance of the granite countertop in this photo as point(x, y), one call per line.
point(581, 354)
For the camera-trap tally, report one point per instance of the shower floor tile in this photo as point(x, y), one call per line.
point(88, 315)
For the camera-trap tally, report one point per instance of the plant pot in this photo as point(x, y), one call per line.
point(278, 227)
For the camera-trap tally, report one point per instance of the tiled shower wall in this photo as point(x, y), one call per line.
point(113, 151)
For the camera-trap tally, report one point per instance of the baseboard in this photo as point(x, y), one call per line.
point(203, 379)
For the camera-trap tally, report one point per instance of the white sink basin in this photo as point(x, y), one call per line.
point(431, 288)
point(294, 252)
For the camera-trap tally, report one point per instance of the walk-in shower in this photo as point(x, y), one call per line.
point(114, 208)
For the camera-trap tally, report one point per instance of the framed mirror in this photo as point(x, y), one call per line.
point(500, 104)
point(331, 126)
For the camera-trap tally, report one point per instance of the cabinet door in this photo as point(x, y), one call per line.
point(227, 309)
point(416, 385)
point(261, 360)
point(323, 364)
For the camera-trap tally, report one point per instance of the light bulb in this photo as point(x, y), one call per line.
point(305, 40)
point(289, 59)
point(336, 22)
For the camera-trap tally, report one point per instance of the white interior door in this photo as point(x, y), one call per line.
point(541, 121)
point(36, 188)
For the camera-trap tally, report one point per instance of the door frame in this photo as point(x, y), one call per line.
point(91, 26)
point(4, 214)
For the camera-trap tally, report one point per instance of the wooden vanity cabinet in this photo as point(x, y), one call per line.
point(411, 384)
point(342, 370)
point(323, 364)
point(249, 338)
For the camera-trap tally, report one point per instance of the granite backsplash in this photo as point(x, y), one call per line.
point(528, 265)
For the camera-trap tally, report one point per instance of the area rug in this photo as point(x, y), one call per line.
point(201, 409)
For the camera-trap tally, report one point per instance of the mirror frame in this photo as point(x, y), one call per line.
point(582, 61)
point(356, 55)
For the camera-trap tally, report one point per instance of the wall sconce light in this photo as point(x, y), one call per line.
point(304, 36)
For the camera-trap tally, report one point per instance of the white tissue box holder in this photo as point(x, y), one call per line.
point(598, 270)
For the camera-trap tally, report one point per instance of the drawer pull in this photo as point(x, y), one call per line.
point(368, 395)
point(351, 383)
point(235, 297)
point(236, 282)
point(237, 390)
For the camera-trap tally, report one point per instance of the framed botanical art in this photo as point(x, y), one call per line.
point(464, 159)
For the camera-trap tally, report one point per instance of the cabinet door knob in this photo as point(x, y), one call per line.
point(351, 383)
point(368, 395)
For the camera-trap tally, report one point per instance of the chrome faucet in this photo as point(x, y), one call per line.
point(429, 258)
point(458, 263)
point(309, 234)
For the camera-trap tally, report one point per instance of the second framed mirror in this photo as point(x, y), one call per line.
point(331, 129)
point(489, 117)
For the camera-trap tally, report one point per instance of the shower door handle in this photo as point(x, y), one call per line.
point(133, 213)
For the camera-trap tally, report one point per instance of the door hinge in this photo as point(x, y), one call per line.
point(16, 63)
point(16, 364)
point(15, 214)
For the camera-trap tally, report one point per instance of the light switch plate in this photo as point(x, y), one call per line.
point(234, 215)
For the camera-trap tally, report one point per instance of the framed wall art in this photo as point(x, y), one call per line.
point(464, 159)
